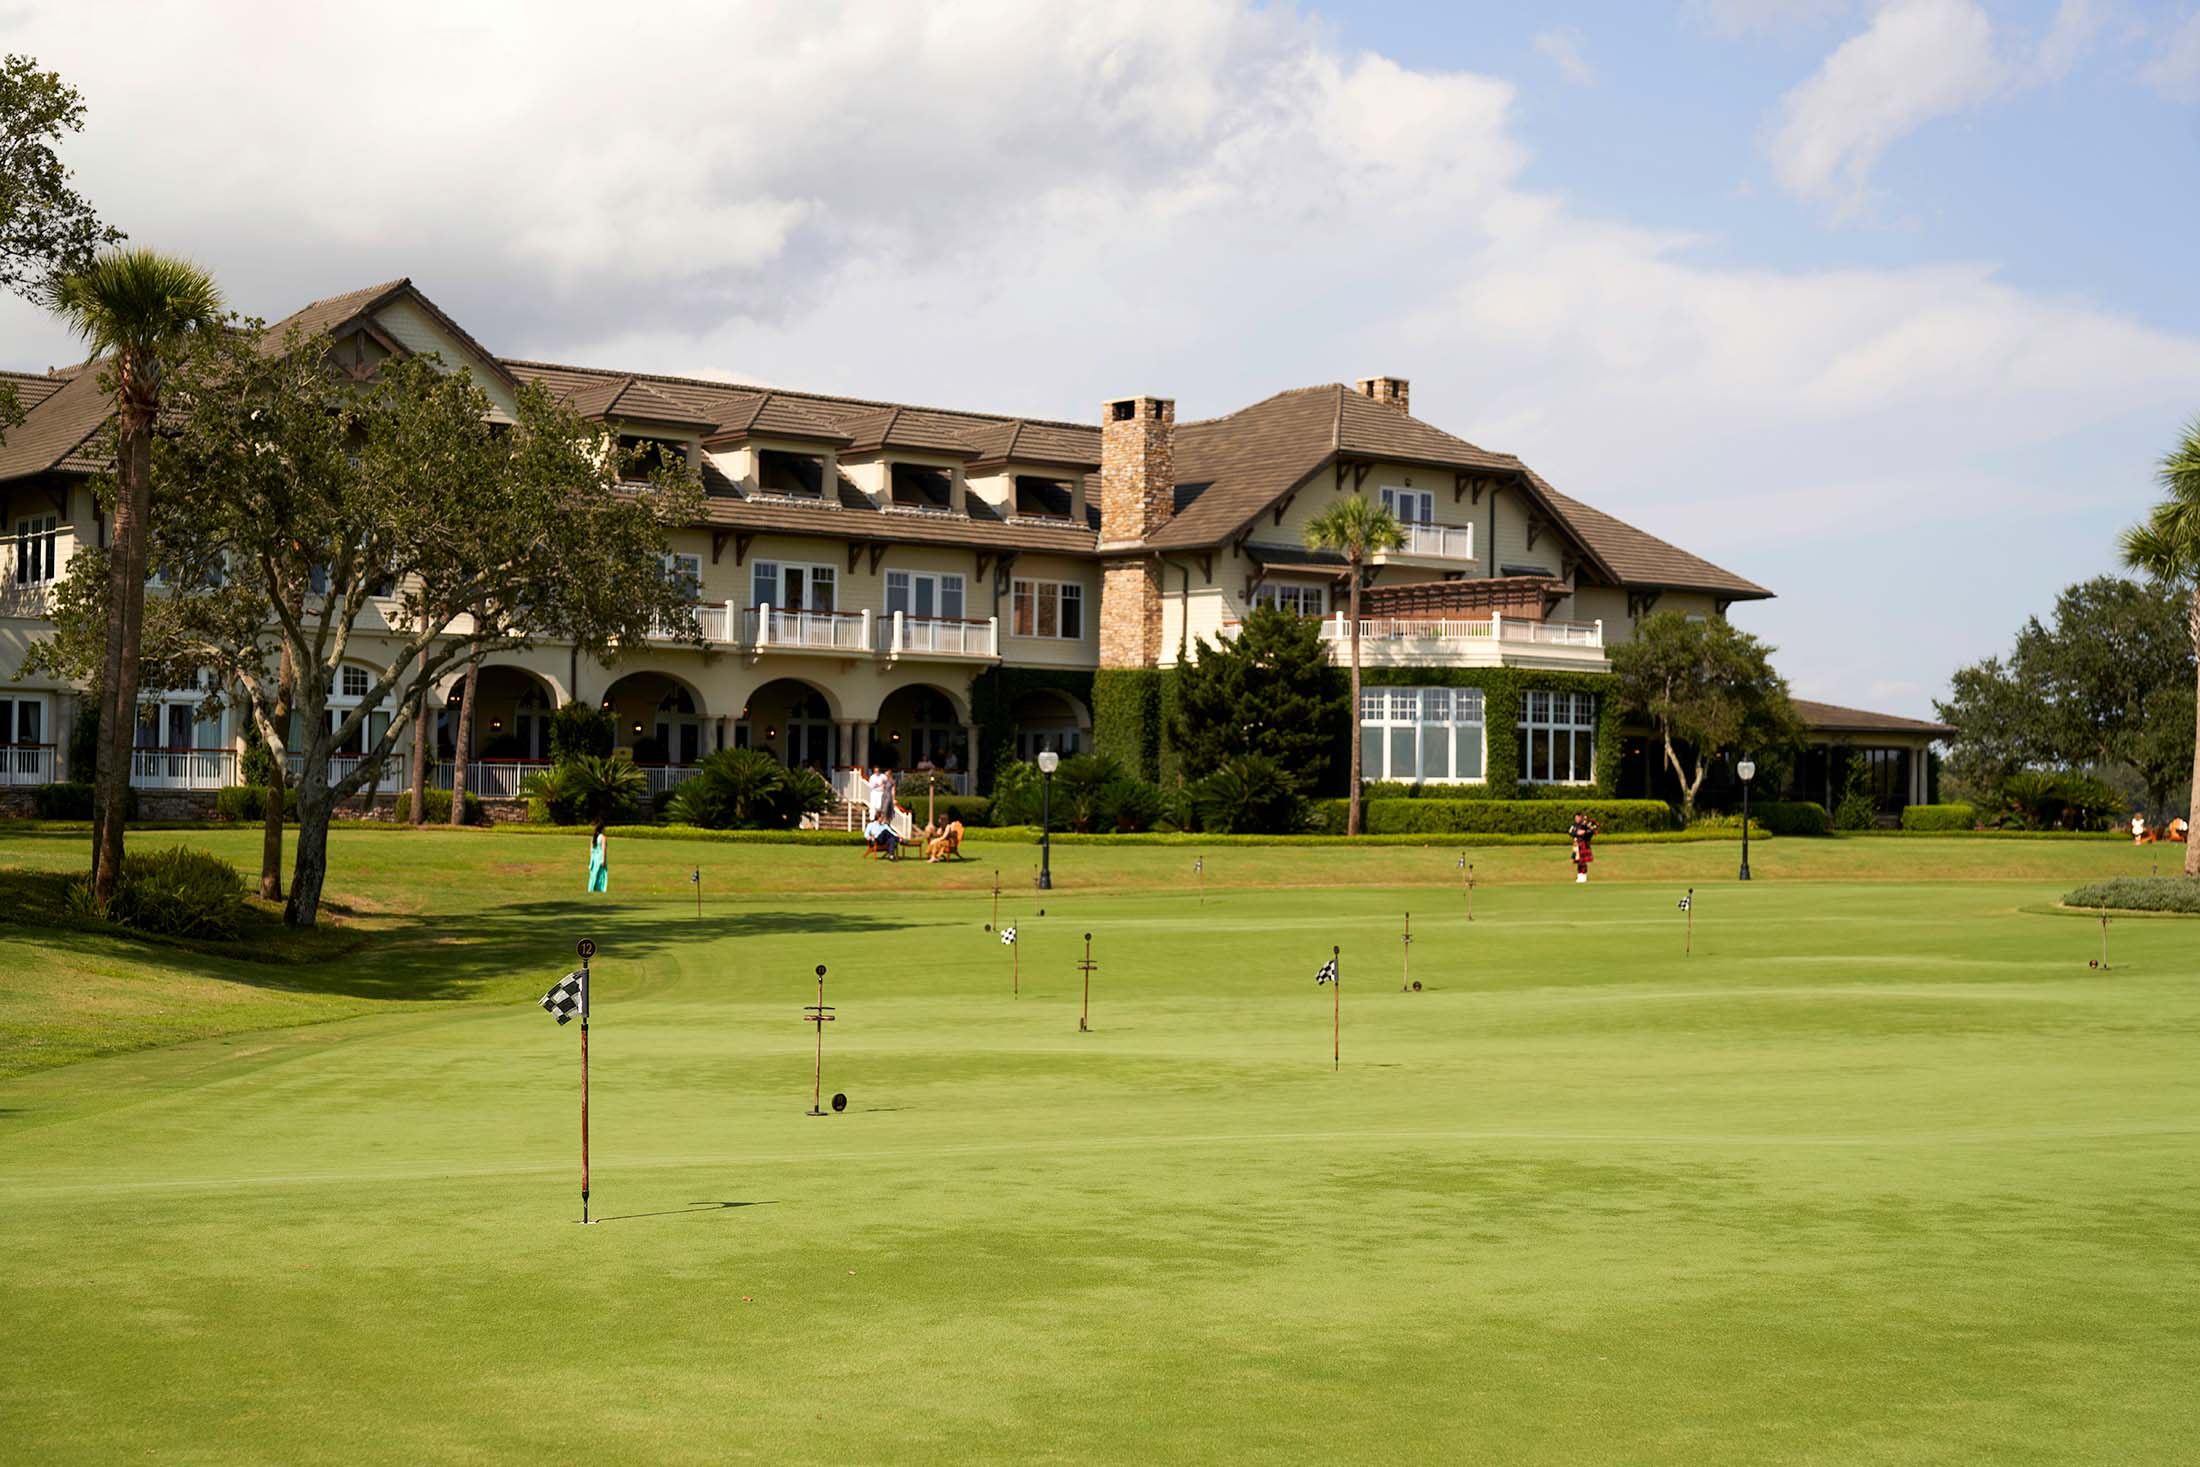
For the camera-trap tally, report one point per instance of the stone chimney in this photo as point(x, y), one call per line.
point(1137, 497)
point(1137, 467)
point(1387, 390)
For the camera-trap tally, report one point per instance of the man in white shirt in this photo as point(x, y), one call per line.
point(881, 786)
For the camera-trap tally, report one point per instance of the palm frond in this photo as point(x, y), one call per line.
point(1357, 526)
point(136, 301)
point(2180, 468)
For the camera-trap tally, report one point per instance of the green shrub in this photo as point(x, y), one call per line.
point(1092, 792)
point(1855, 809)
point(2041, 799)
point(71, 801)
point(584, 789)
point(1511, 817)
point(972, 810)
point(257, 767)
point(747, 789)
point(1790, 817)
point(247, 804)
point(1939, 817)
point(580, 728)
point(1248, 795)
point(438, 804)
point(1016, 793)
point(178, 892)
point(2140, 894)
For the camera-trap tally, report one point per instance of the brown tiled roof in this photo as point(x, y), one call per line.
point(51, 433)
point(985, 531)
point(332, 315)
point(1247, 461)
point(1833, 718)
point(771, 415)
point(33, 388)
point(632, 400)
point(911, 429)
point(1638, 558)
point(1042, 445)
point(1369, 429)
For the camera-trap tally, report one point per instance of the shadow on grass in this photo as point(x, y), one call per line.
point(402, 956)
point(693, 1209)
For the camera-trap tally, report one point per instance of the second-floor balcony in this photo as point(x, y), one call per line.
point(1431, 542)
point(769, 629)
point(1488, 641)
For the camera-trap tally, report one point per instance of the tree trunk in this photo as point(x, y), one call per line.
point(125, 623)
point(314, 806)
point(420, 752)
point(1352, 810)
point(463, 746)
point(1680, 776)
point(2192, 845)
point(278, 780)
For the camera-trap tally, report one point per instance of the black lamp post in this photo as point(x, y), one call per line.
point(1048, 759)
point(1747, 769)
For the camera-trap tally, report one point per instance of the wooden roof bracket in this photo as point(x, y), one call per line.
point(1359, 475)
point(878, 553)
point(1283, 505)
point(985, 563)
point(1207, 565)
point(1639, 603)
point(1535, 528)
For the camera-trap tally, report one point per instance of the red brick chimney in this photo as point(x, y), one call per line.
point(1137, 497)
point(1389, 390)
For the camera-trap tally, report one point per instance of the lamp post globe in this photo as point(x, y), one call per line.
point(1048, 762)
point(1747, 769)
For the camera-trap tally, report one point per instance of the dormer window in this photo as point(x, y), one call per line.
point(797, 475)
point(1044, 499)
point(645, 458)
point(917, 486)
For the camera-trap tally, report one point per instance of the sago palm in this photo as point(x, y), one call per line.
point(2166, 546)
point(132, 307)
point(1360, 529)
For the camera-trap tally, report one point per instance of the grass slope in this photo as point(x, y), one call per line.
point(1881, 1172)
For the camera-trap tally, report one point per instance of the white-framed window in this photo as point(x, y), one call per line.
point(1301, 600)
point(37, 540)
point(687, 571)
point(1558, 738)
point(1422, 735)
point(23, 718)
point(1413, 506)
point(1045, 609)
point(351, 689)
point(170, 720)
point(788, 586)
point(924, 593)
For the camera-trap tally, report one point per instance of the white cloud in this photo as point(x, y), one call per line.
point(2176, 72)
point(991, 204)
point(1563, 50)
point(1917, 61)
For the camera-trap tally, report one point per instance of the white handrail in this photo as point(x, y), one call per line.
point(26, 764)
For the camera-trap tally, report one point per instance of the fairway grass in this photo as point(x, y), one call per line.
point(1881, 1171)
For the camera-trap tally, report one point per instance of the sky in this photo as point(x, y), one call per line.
point(1888, 305)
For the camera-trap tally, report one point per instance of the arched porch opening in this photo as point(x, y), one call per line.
point(1047, 718)
point(797, 723)
point(657, 719)
point(511, 715)
point(922, 726)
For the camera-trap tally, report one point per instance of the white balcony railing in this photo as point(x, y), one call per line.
point(27, 764)
point(767, 626)
point(488, 779)
point(1588, 634)
point(183, 769)
point(1441, 542)
point(667, 777)
point(938, 636)
point(713, 620)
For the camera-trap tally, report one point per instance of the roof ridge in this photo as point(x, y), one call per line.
point(830, 397)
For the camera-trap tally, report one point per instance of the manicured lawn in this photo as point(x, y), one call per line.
point(1881, 1172)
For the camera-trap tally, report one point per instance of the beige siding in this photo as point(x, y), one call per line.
point(417, 331)
point(1053, 652)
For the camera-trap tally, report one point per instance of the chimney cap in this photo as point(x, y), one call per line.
point(1138, 405)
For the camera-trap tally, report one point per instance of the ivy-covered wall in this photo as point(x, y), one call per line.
point(994, 694)
point(1502, 690)
point(1130, 713)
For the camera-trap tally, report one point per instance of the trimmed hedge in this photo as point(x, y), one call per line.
point(1127, 720)
point(247, 803)
point(2140, 894)
point(1790, 817)
point(73, 801)
point(1939, 817)
point(1511, 817)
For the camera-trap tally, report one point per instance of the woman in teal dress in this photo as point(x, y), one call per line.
point(599, 862)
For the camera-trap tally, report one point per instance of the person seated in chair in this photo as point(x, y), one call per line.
point(879, 840)
point(946, 844)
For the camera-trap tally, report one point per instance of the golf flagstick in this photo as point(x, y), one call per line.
point(1084, 1024)
point(996, 900)
point(1688, 907)
point(819, 1015)
point(2104, 941)
point(697, 878)
point(587, 951)
point(1199, 869)
point(1405, 963)
point(1329, 975)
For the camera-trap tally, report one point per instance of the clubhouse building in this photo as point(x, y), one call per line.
point(884, 582)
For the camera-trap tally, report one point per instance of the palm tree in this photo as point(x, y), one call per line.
point(133, 307)
point(2166, 546)
point(1360, 528)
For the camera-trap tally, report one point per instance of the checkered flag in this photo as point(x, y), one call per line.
point(570, 997)
point(1008, 937)
point(1688, 901)
point(1199, 865)
point(1328, 974)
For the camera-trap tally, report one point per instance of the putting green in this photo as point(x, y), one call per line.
point(1882, 1171)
